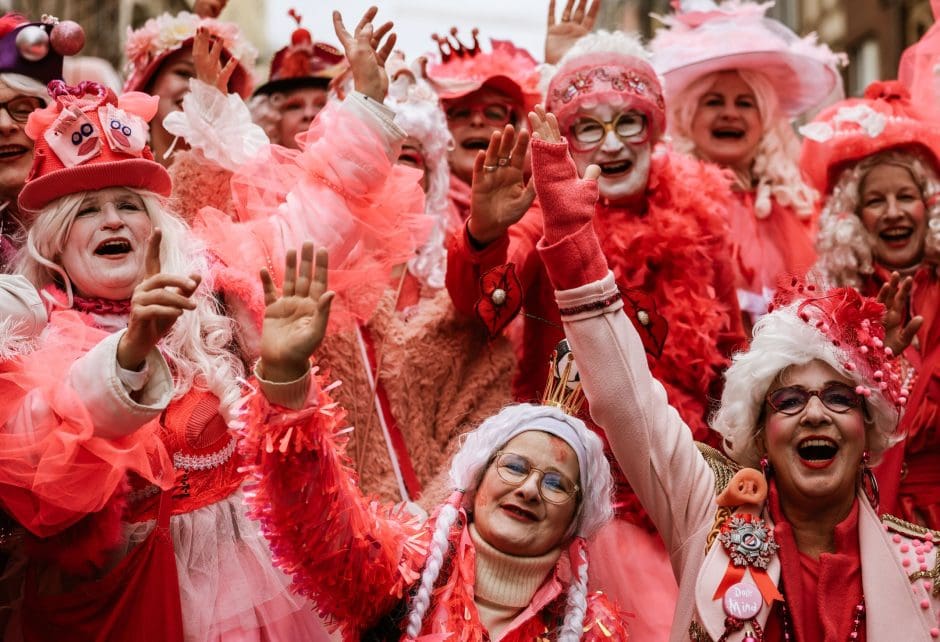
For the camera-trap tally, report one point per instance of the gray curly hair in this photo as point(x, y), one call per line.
point(843, 243)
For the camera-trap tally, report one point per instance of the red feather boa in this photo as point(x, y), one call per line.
point(670, 253)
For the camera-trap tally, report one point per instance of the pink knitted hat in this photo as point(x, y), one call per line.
point(596, 77)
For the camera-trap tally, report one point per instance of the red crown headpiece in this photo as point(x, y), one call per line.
point(854, 325)
point(303, 63)
point(90, 139)
point(855, 128)
point(463, 70)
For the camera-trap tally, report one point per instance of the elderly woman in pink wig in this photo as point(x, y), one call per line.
point(734, 79)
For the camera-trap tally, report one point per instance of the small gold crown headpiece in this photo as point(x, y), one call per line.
point(563, 388)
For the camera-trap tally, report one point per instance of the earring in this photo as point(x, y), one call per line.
point(765, 467)
point(868, 481)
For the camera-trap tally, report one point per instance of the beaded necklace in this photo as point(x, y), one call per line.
point(101, 306)
point(789, 635)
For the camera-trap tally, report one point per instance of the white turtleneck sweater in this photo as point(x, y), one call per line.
point(505, 584)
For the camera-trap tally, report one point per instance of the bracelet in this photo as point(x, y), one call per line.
point(588, 307)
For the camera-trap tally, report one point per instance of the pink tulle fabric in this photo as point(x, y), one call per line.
point(918, 68)
point(341, 191)
point(53, 470)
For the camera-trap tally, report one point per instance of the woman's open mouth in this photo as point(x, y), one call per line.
point(475, 143)
point(896, 236)
point(728, 133)
point(113, 248)
point(616, 168)
point(519, 513)
point(817, 452)
point(12, 152)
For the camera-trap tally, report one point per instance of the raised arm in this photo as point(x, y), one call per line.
point(652, 444)
point(351, 556)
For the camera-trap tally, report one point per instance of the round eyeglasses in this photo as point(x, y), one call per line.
point(21, 107)
point(837, 397)
point(554, 487)
point(587, 133)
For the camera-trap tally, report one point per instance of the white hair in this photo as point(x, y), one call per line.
point(776, 166)
point(466, 472)
point(199, 344)
point(26, 85)
point(600, 41)
point(843, 243)
point(418, 112)
point(782, 339)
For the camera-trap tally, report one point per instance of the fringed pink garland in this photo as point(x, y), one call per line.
point(350, 555)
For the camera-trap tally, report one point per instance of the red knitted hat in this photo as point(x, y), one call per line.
point(855, 128)
point(88, 140)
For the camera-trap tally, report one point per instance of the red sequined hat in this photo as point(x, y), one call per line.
point(463, 70)
point(89, 139)
point(303, 63)
point(855, 128)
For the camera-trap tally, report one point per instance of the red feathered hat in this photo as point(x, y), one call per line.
point(303, 63)
point(89, 139)
point(853, 129)
point(463, 70)
point(853, 324)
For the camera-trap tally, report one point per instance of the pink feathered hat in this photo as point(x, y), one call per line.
point(702, 38)
point(855, 128)
point(463, 70)
point(146, 48)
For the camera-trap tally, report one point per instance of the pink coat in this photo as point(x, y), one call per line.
point(677, 486)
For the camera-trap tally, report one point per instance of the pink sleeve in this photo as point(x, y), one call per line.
point(55, 467)
point(353, 557)
point(652, 444)
point(342, 191)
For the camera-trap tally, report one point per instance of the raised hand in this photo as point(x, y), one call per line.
point(499, 195)
point(576, 22)
point(895, 295)
point(295, 322)
point(545, 127)
point(209, 8)
point(207, 58)
point(157, 302)
point(367, 53)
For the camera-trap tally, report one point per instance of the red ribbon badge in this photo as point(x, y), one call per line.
point(750, 544)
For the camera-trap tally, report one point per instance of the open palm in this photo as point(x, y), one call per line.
point(295, 322)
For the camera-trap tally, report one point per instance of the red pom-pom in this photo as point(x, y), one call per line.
point(67, 38)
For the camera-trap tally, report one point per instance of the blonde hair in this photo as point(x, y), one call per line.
point(199, 344)
point(843, 243)
point(776, 165)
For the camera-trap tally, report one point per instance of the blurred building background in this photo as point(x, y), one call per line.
point(872, 32)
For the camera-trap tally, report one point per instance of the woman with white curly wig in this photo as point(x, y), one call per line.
point(734, 81)
point(877, 160)
point(502, 559)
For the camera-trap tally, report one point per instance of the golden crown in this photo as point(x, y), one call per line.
point(563, 388)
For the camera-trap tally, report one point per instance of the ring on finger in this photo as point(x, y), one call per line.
point(490, 168)
point(502, 162)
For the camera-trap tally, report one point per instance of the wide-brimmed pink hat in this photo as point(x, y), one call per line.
point(463, 70)
point(737, 36)
point(146, 48)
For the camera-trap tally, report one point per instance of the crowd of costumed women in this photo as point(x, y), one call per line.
point(636, 342)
